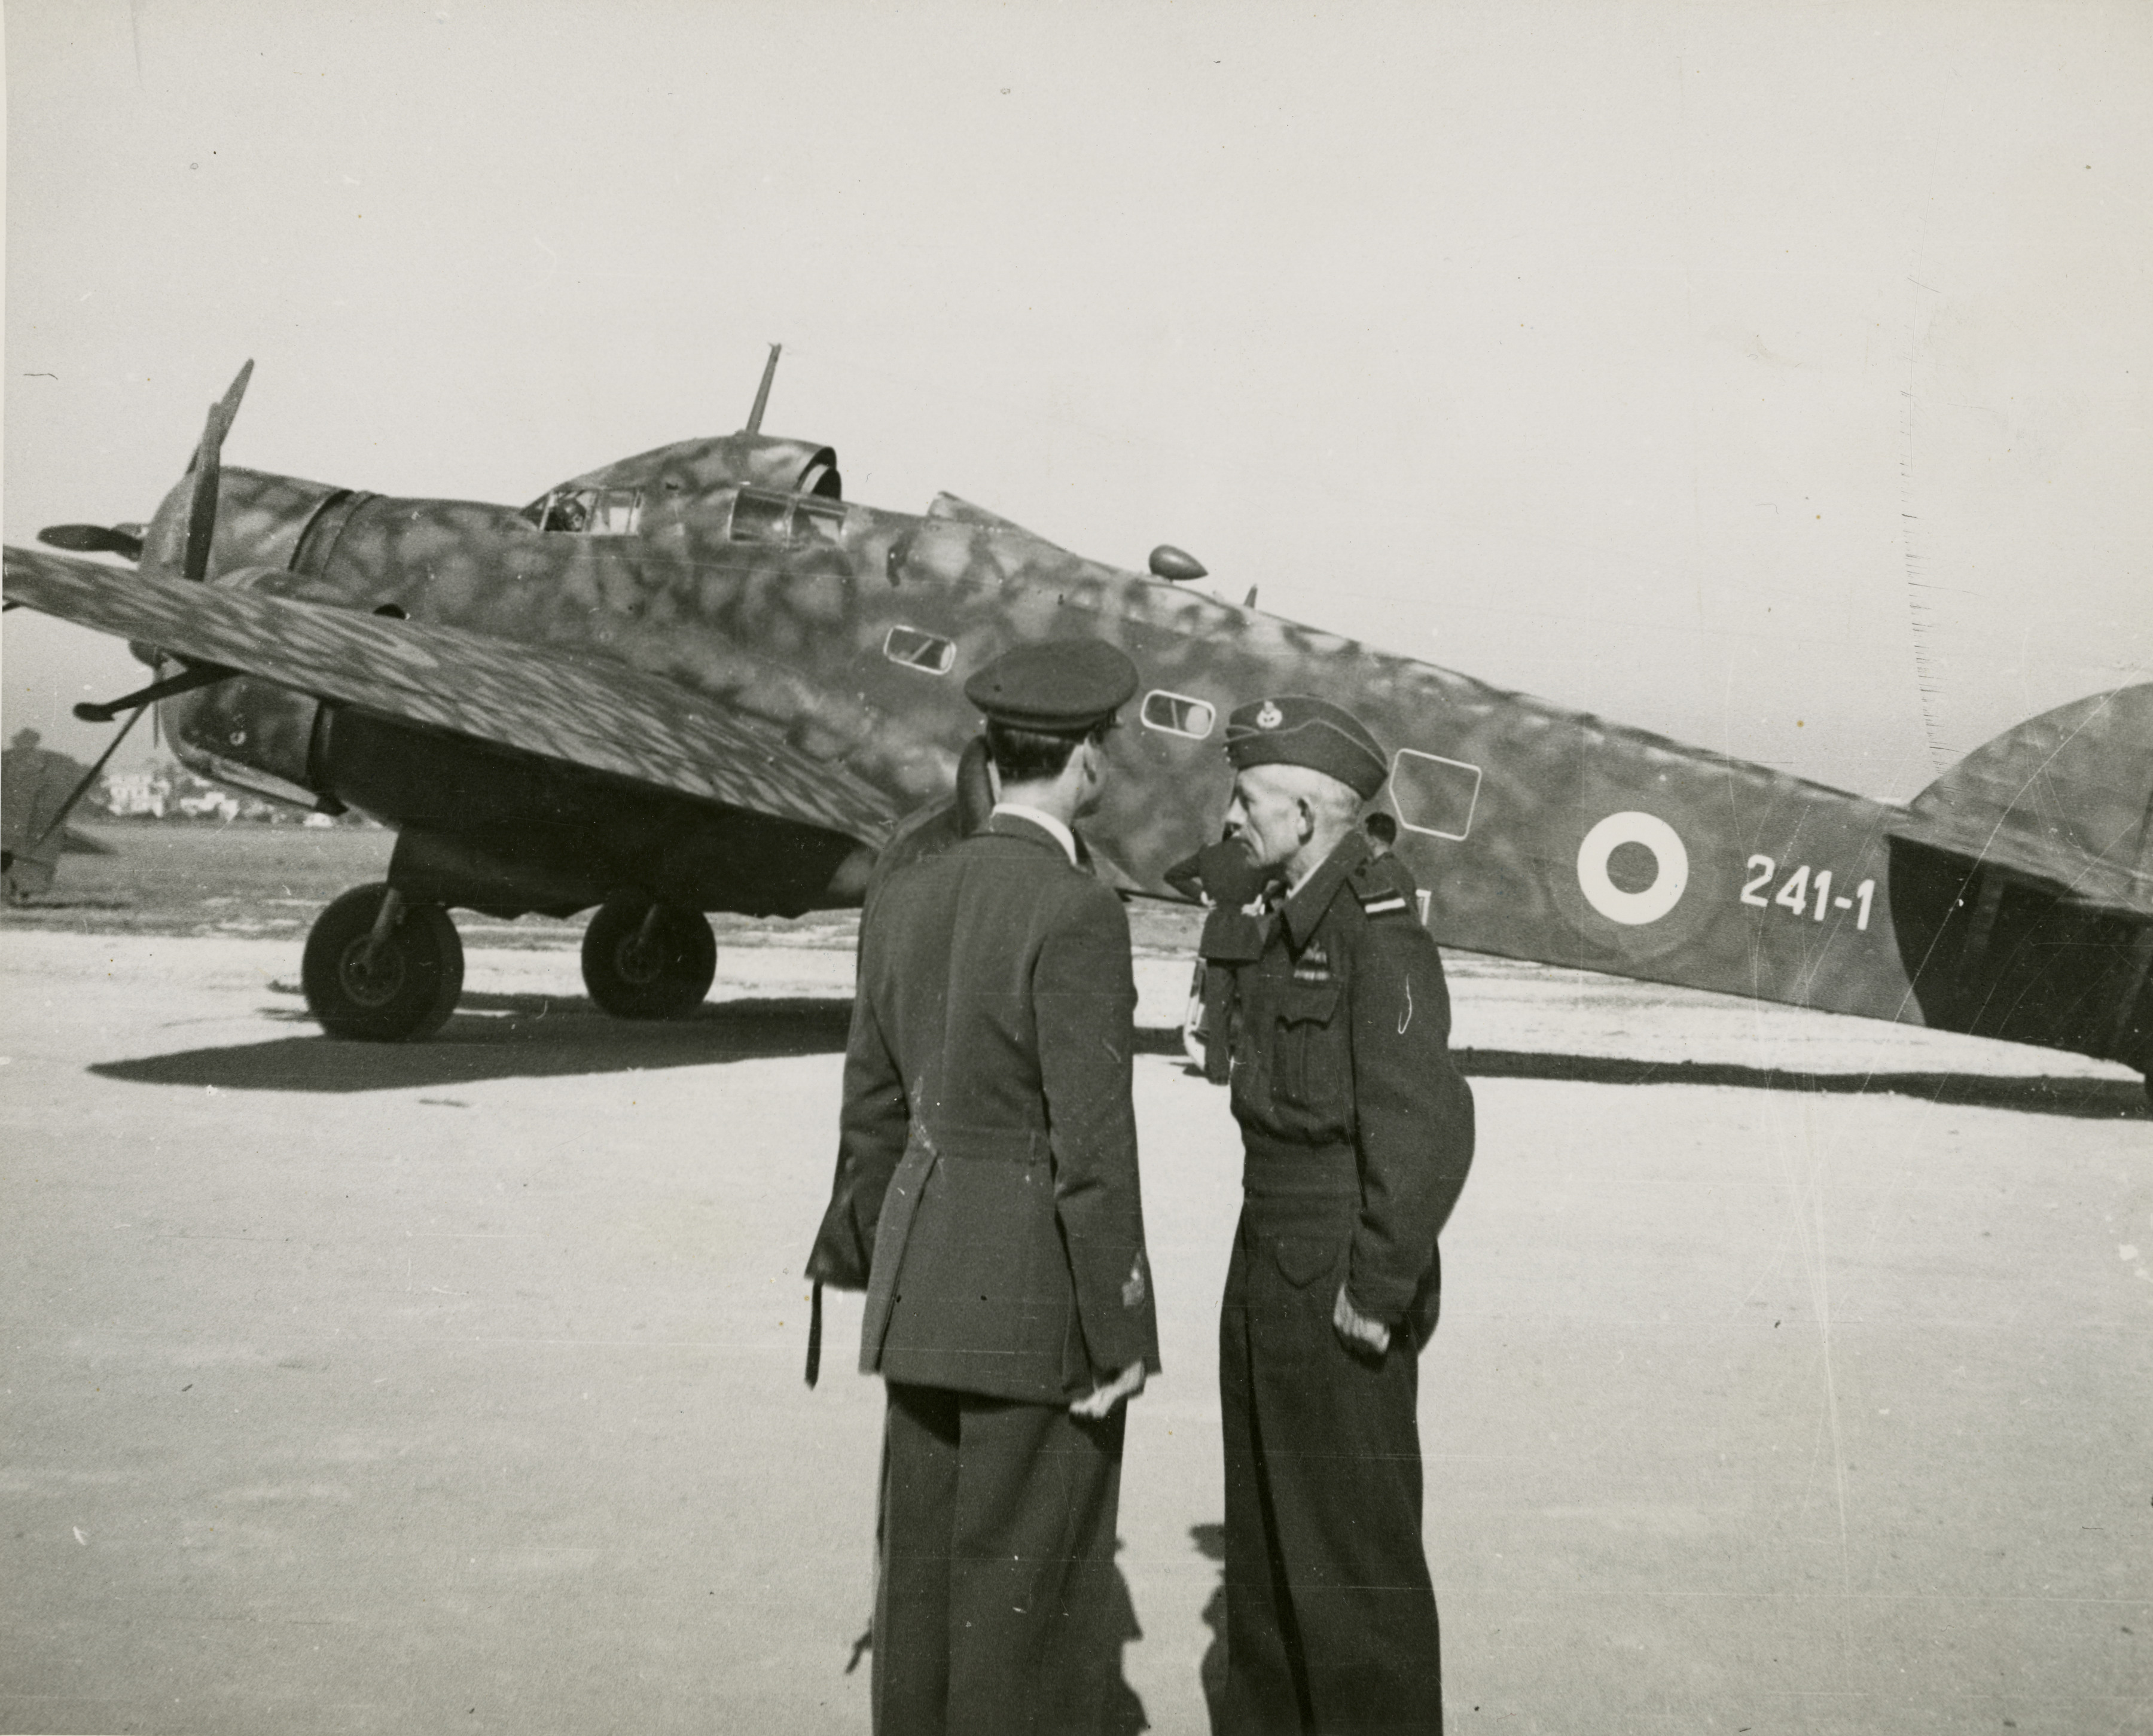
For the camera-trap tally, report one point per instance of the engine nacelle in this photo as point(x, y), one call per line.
point(250, 734)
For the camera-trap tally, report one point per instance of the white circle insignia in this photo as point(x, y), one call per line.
point(1633, 909)
point(1270, 717)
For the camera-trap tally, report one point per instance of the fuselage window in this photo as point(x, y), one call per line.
point(616, 512)
point(813, 518)
point(1433, 795)
point(1178, 715)
point(761, 517)
point(917, 650)
point(589, 511)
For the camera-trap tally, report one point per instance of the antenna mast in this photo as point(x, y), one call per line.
point(762, 391)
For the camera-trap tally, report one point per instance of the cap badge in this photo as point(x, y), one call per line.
point(1270, 717)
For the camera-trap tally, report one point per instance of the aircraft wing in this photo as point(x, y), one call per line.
point(585, 709)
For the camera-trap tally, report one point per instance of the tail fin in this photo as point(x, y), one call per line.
point(2069, 792)
point(2022, 883)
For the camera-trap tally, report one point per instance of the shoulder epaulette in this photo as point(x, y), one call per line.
point(1383, 889)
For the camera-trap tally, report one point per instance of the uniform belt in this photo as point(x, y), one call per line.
point(1274, 1167)
point(1004, 1145)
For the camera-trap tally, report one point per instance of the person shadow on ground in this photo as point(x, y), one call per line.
point(1210, 1541)
point(1121, 1706)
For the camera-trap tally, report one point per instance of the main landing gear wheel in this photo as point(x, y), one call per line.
point(380, 970)
point(645, 960)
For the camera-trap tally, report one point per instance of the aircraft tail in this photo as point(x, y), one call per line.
point(2070, 792)
point(2021, 882)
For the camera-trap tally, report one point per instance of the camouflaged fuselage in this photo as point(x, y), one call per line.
point(1533, 832)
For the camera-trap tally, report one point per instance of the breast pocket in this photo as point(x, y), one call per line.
point(1310, 1051)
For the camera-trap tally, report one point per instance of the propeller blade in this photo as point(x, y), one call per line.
point(202, 506)
point(229, 403)
point(119, 539)
point(201, 509)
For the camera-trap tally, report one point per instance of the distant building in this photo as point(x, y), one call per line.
point(209, 803)
point(167, 791)
point(131, 794)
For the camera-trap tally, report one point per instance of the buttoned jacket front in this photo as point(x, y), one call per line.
point(1341, 1030)
point(987, 1192)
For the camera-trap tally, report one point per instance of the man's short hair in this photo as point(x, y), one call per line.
point(1382, 827)
point(1025, 756)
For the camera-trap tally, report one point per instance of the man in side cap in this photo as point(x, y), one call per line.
point(1357, 1132)
point(986, 1199)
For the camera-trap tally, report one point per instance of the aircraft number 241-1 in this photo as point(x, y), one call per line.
point(1802, 888)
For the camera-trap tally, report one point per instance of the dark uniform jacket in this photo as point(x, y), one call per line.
point(1340, 1034)
point(986, 1192)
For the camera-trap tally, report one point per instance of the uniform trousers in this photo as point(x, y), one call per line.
point(1330, 1623)
point(994, 1605)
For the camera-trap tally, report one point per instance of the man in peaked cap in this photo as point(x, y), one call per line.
point(1357, 1132)
point(986, 1199)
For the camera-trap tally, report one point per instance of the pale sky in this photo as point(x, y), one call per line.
point(1711, 368)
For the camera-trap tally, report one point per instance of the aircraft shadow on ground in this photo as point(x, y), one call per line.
point(508, 1037)
point(2032, 1093)
point(504, 1036)
point(2029, 1093)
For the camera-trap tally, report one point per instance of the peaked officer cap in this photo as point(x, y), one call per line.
point(1056, 686)
point(1294, 729)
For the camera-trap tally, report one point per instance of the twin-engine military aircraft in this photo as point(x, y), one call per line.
point(700, 680)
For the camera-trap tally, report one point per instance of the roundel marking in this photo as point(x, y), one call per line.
point(1633, 909)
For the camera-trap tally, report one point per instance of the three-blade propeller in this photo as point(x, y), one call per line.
point(128, 541)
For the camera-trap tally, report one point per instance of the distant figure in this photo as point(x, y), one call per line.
point(1357, 1132)
point(986, 1199)
point(35, 783)
point(1383, 833)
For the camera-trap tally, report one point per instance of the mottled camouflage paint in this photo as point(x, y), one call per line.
point(557, 705)
point(599, 649)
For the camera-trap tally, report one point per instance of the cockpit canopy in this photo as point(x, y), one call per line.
point(588, 512)
point(684, 470)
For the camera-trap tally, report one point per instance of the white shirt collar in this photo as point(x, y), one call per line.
point(1046, 823)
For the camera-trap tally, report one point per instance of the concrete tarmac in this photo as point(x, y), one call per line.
point(1795, 1374)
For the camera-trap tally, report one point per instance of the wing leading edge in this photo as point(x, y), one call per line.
point(585, 710)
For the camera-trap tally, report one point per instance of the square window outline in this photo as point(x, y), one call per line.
point(606, 503)
point(946, 662)
point(1210, 713)
point(1471, 807)
point(769, 522)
